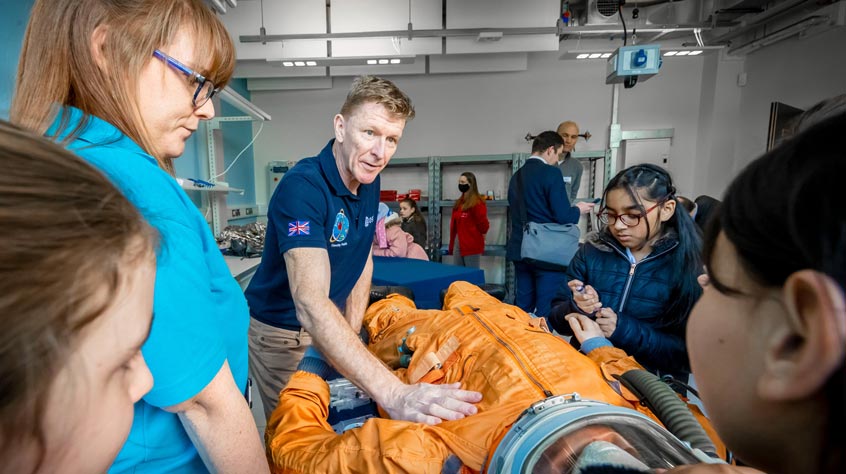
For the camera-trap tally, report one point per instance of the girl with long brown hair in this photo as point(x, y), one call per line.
point(469, 223)
point(123, 84)
point(77, 269)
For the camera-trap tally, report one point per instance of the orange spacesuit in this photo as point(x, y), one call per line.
point(490, 347)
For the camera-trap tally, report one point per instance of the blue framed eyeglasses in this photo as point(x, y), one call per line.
point(205, 88)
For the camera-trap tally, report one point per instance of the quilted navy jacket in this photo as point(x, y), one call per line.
point(640, 294)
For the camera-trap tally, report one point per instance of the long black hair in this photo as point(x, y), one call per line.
point(780, 215)
point(655, 184)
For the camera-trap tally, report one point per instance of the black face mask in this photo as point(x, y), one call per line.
point(464, 188)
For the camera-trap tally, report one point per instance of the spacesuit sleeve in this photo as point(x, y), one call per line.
point(299, 438)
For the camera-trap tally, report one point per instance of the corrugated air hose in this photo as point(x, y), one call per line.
point(669, 408)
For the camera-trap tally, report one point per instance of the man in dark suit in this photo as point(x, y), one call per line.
point(537, 192)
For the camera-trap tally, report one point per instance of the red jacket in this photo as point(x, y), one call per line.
point(471, 225)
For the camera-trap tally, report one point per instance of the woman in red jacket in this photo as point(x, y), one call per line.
point(469, 223)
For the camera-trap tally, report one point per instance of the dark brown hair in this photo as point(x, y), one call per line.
point(781, 216)
point(57, 66)
point(68, 238)
point(416, 216)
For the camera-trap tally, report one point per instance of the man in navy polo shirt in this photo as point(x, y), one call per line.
point(313, 283)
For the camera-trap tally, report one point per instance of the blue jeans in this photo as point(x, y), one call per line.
point(535, 288)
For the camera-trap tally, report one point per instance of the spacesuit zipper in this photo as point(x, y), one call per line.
point(546, 392)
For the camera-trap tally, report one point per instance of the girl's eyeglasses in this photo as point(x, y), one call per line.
point(629, 220)
point(205, 88)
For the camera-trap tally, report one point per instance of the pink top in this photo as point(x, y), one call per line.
point(398, 243)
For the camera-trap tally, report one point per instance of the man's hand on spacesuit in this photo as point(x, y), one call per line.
point(430, 404)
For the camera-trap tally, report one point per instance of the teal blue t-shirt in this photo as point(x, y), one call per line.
point(200, 314)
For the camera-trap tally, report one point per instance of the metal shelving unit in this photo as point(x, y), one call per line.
point(513, 161)
point(216, 194)
point(435, 205)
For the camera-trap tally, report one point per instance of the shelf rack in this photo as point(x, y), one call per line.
point(435, 205)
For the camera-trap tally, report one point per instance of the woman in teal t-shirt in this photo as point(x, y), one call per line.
point(140, 80)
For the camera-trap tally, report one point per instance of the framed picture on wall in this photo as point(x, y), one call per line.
point(781, 123)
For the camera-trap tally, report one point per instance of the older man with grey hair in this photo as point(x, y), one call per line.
point(571, 168)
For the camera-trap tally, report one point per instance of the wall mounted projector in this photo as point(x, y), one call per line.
point(628, 64)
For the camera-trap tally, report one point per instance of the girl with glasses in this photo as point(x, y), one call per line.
point(124, 84)
point(637, 276)
point(767, 339)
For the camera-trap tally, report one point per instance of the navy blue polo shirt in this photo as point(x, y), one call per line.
point(312, 207)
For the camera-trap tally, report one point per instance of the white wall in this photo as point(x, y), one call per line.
point(719, 125)
point(799, 73)
point(490, 113)
point(719, 120)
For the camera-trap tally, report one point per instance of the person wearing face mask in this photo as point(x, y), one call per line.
point(313, 284)
point(637, 275)
point(538, 189)
point(469, 223)
point(132, 81)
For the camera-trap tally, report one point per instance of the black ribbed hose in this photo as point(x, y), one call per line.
point(669, 408)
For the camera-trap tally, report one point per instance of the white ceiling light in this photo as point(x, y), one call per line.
point(682, 53)
point(595, 55)
point(606, 55)
point(670, 53)
point(695, 53)
point(343, 61)
point(583, 56)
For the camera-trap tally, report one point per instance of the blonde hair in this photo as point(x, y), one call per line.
point(68, 235)
point(381, 91)
point(57, 65)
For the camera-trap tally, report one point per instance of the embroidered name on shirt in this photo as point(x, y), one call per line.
point(298, 228)
point(368, 221)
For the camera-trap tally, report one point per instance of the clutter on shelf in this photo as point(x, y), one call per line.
point(242, 241)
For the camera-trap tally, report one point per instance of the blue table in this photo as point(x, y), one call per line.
point(426, 279)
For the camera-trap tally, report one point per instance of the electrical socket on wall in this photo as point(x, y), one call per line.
point(242, 212)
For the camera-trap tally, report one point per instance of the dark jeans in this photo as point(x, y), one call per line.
point(535, 287)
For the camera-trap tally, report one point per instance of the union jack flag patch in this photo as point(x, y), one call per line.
point(298, 228)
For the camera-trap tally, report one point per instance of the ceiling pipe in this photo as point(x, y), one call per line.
point(791, 30)
point(759, 19)
point(615, 29)
point(542, 30)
